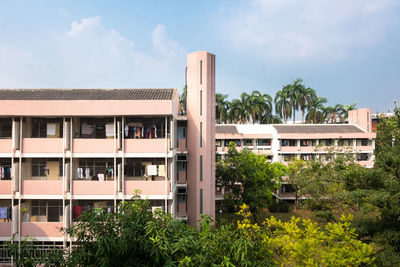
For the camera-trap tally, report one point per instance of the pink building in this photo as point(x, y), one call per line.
point(65, 151)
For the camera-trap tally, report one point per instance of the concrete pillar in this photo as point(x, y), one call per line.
point(201, 124)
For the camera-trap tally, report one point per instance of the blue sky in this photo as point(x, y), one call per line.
point(347, 50)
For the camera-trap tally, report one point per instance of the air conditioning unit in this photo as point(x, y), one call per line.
point(181, 157)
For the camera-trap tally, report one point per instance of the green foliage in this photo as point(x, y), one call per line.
point(247, 178)
point(372, 195)
point(27, 254)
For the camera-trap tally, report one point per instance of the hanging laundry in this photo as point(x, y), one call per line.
point(87, 173)
point(126, 130)
point(100, 176)
point(161, 170)
point(51, 129)
point(3, 213)
point(110, 129)
point(151, 169)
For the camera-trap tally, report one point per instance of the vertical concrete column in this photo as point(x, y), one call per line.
point(201, 135)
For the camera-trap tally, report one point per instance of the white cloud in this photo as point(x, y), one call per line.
point(310, 29)
point(90, 55)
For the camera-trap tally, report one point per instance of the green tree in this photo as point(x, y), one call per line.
point(335, 113)
point(282, 104)
point(221, 107)
point(316, 111)
point(246, 178)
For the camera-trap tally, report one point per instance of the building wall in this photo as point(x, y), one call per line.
point(201, 90)
point(361, 117)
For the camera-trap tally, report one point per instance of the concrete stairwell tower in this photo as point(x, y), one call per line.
point(201, 135)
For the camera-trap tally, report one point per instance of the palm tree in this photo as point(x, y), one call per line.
point(306, 98)
point(348, 108)
point(294, 90)
point(182, 100)
point(316, 111)
point(333, 113)
point(221, 107)
point(245, 107)
point(271, 119)
point(282, 104)
point(267, 107)
point(235, 110)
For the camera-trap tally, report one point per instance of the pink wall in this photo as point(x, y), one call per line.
point(5, 229)
point(362, 117)
point(5, 145)
point(42, 145)
point(5, 187)
point(147, 187)
point(41, 229)
point(85, 145)
point(156, 145)
point(93, 187)
point(207, 118)
point(182, 209)
point(85, 107)
point(182, 144)
point(42, 187)
point(182, 177)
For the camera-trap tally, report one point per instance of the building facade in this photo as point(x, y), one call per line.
point(63, 152)
point(287, 142)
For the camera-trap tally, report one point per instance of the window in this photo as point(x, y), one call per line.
point(264, 142)
point(201, 168)
point(39, 167)
point(201, 134)
point(39, 208)
point(5, 128)
point(181, 132)
point(52, 209)
point(201, 102)
point(247, 142)
point(39, 127)
point(201, 201)
point(201, 71)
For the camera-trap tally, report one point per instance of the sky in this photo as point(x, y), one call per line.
point(347, 50)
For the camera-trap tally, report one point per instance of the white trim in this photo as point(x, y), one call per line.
point(42, 155)
point(41, 196)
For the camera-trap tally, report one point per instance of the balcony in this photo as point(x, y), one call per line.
point(42, 145)
point(307, 148)
point(147, 187)
point(42, 187)
point(5, 145)
point(93, 187)
point(5, 187)
point(87, 145)
point(289, 149)
point(41, 229)
point(364, 148)
point(366, 163)
point(5, 229)
point(156, 145)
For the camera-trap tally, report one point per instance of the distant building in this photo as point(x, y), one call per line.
point(286, 142)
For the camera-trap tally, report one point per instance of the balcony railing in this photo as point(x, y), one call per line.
point(41, 229)
point(42, 145)
point(42, 187)
point(147, 187)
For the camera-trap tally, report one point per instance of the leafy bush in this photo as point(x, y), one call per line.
point(283, 206)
